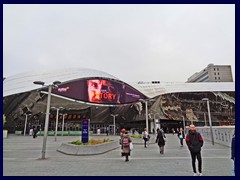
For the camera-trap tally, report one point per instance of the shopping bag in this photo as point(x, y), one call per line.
point(131, 146)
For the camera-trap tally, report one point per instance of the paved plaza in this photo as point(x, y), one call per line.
point(21, 157)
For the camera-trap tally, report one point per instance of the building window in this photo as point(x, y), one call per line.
point(215, 77)
point(217, 69)
point(218, 77)
point(214, 69)
point(218, 74)
point(214, 73)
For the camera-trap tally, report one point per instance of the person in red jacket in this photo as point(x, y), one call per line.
point(194, 142)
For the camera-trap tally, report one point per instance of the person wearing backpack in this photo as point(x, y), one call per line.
point(160, 140)
point(125, 142)
point(145, 137)
point(194, 142)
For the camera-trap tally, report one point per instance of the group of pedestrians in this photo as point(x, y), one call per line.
point(193, 140)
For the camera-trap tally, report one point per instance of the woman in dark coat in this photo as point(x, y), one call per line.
point(160, 140)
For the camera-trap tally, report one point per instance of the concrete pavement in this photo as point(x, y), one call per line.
point(21, 158)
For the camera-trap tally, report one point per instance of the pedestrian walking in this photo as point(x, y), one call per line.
point(153, 131)
point(31, 132)
point(107, 130)
point(160, 140)
point(194, 142)
point(34, 132)
point(125, 142)
point(233, 152)
point(117, 131)
point(98, 131)
point(173, 131)
point(181, 136)
point(145, 137)
point(177, 130)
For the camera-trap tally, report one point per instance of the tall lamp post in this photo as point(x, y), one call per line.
point(25, 126)
point(209, 117)
point(158, 121)
point(50, 86)
point(146, 108)
point(231, 112)
point(114, 123)
point(63, 122)
point(205, 119)
point(56, 127)
point(184, 125)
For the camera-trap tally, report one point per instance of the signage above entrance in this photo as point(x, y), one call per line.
point(99, 91)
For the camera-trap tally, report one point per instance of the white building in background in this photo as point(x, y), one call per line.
point(213, 73)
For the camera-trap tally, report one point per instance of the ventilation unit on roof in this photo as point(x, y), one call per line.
point(155, 82)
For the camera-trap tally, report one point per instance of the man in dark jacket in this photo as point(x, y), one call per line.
point(194, 142)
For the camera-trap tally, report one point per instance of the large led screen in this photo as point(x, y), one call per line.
point(100, 91)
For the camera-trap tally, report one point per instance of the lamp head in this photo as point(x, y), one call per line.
point(39, 83)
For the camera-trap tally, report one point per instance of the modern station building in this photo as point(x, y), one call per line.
point(98, 96)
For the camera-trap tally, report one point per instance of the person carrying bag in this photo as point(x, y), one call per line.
point(145, 137)
point(126, 143)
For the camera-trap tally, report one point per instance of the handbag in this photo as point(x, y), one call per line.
point(181, 137)
point(131, 146)
point(148, 137)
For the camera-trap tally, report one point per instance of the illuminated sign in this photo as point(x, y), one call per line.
point(100, 91)
point(63, 89)
point(97, 96)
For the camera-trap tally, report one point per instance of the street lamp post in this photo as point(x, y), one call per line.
point(56, 127)
point(55, 83)
point(146, 109)
point(46, 122)
point(25, 126)
point(205, 120)
point(114, 123)
point(63, 123)
point(184, 125)
point(209, 117)
point(231, 111)
point(157, 119)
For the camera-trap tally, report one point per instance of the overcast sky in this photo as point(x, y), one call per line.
point(132, 42)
